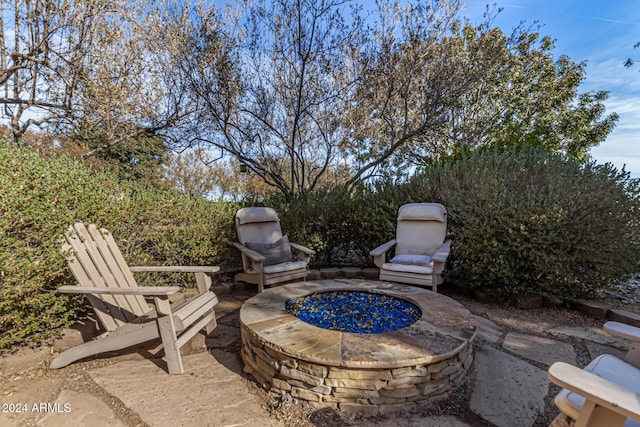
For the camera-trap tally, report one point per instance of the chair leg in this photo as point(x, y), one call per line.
point(211, 325)
point(170, 344)
point(592, 415)
point(204, 285)
point(261, 283)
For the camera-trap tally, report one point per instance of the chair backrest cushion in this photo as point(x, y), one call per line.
point(274, 253)
point(258, 224)
point(422, 228)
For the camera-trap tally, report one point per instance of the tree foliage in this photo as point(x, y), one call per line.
point(272, 96)
point(42, 51)
point(293, 90)
point(408, 77)
point(520, 94)
point(138, 159)
point(301, 87)
point(90, 68)
point(190, 172)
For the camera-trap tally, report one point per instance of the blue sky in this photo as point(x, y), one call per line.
point(602, 33)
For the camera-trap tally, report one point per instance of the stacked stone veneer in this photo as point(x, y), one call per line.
point(369, 391)
point(368, 373)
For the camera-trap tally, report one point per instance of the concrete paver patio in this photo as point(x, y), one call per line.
point(506, 386)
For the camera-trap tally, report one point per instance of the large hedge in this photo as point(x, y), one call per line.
point(340, 224)
point(521, 221)
point(41, 197)
point(524, 220)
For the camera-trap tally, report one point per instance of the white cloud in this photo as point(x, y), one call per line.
point(622, 146)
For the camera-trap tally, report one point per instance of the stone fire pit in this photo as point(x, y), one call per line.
point(372, 373)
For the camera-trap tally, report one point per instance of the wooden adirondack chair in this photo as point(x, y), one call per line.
point(107, 281)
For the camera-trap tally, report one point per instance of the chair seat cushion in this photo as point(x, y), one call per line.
point(285, 266)
point(423, 260)
point(608, 367)
point(407, 268)
point(275, 253)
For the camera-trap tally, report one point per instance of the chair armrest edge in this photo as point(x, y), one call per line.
point(603, 392)
point(175, 268)
point(623, 330)
point(303, 249)
point(255, 256)
point(139, 290)
point(443, 251)
point(383, 248)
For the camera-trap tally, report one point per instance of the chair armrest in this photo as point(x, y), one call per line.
point(379, 254)
point(176, 269)
point(383, 248)
point(442, 253)
point(255, 256)
point(597, 390)
point(303, 253)
point(302, 249)
point(631, 333)
point(623, 330)
point(139, 290)
point(201, 272)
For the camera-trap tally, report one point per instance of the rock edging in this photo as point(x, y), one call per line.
point(603, 311)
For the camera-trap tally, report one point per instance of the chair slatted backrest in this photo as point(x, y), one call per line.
point(95, 260)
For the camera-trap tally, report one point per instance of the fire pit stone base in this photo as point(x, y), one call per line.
point(366, 373)
point(372, 391)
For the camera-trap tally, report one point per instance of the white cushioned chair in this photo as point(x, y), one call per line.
point(421, 250)
point(267, 255)
point(606, 392)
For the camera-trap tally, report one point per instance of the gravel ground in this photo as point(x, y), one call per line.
point(625, 295)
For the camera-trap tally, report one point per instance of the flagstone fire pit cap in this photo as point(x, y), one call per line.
point(445, 328)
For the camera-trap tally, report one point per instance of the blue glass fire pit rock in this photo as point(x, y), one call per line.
point(354, 311)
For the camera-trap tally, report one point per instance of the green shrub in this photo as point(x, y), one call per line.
point(338, 223)
point(171, 228)
point(521, 221)
point(525, 220)
point(40, 198)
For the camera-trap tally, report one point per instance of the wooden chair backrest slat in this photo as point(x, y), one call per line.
point(83, 249)
point(93, 264)
point(118, 268)
point(123, 302)
point(106, 319)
